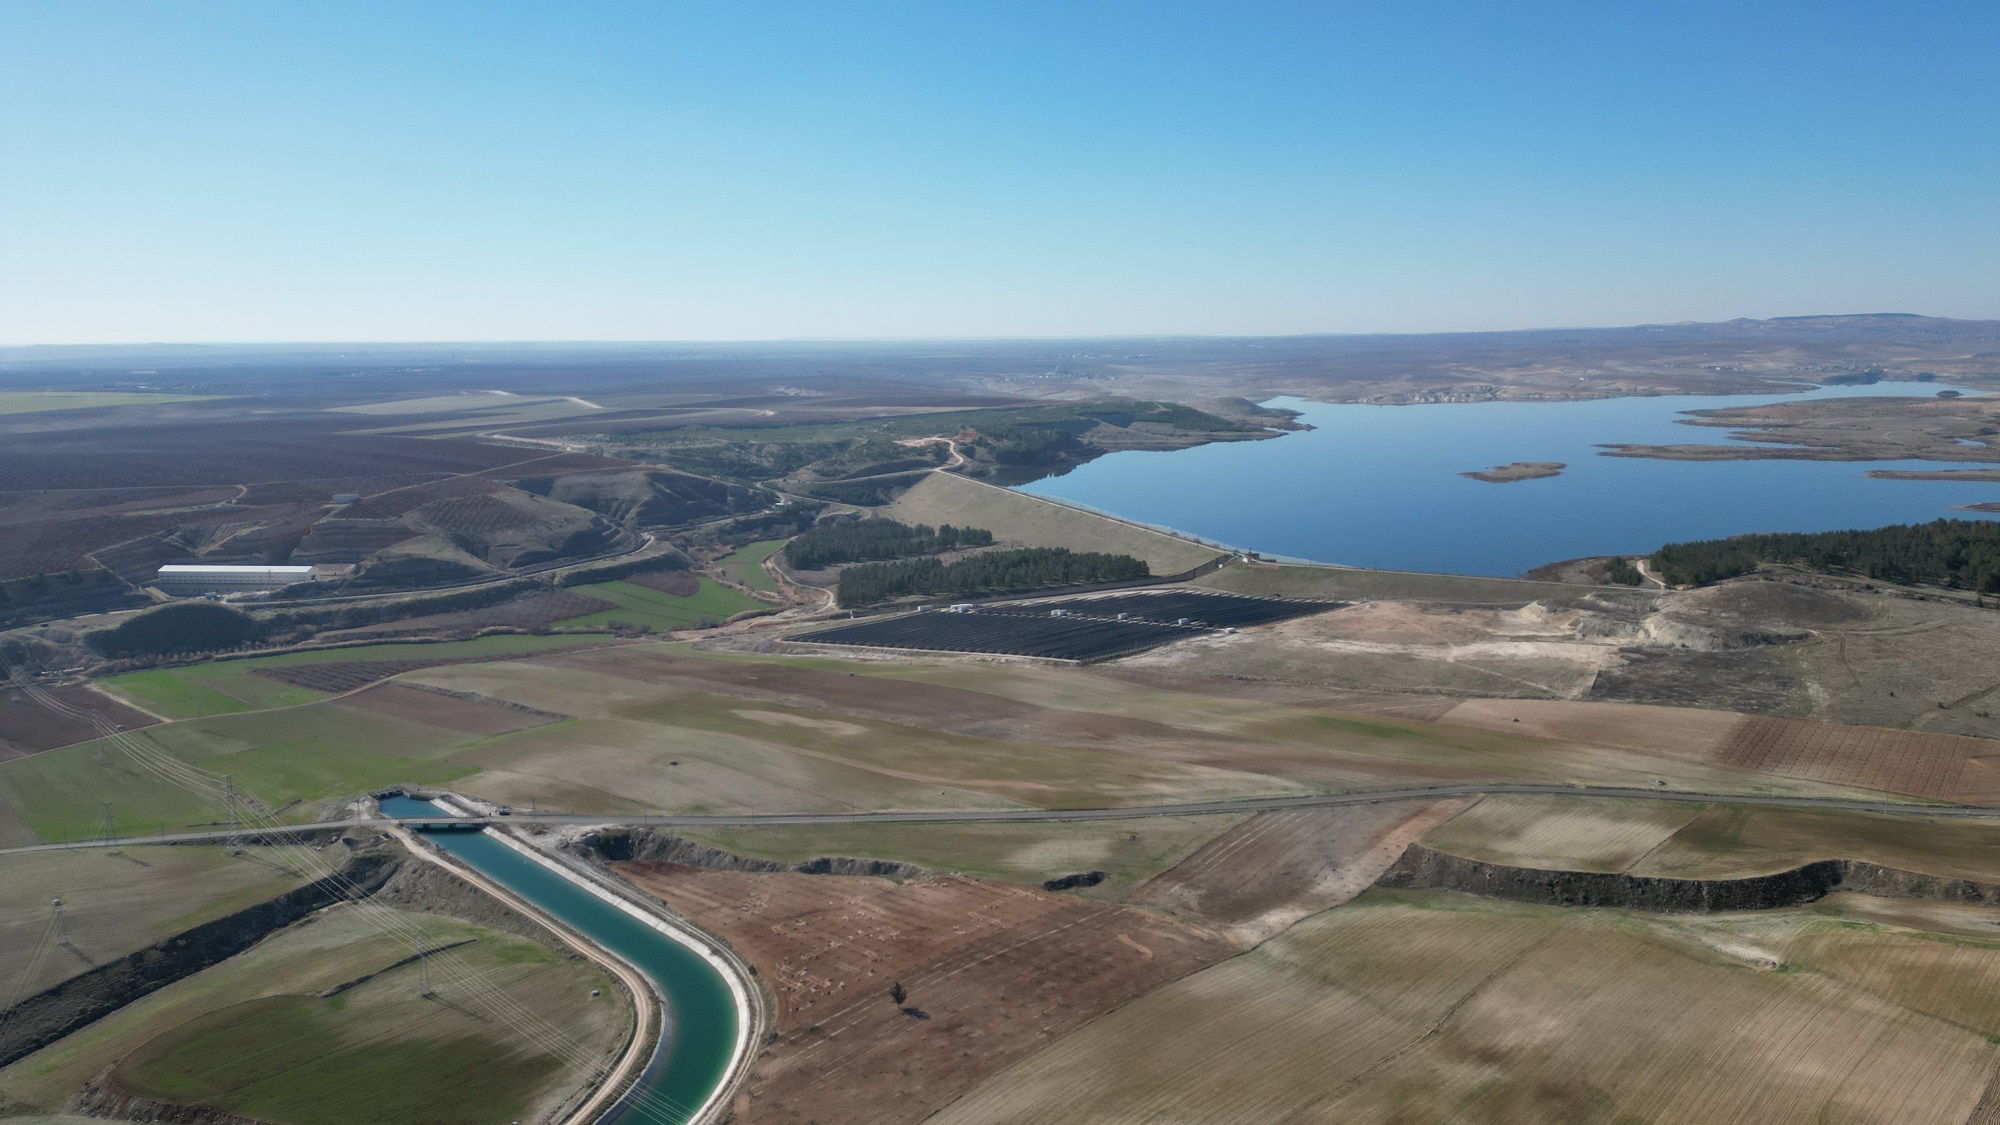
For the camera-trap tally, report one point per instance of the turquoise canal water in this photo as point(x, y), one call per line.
point(701, 1012)
point(1378, 486)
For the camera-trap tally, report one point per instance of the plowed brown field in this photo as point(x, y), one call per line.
point(994, 972)
point(1897, 761)
point(436, 709)
point(27, 727)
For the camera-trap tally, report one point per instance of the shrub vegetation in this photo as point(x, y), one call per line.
point(864, 540)
point(995, 572)
point(1960, 554)
point(182, 627)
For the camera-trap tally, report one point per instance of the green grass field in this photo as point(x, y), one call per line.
point(291, 760)
point(254, 1036)
point(223, 686)
point(661, 612)
point(115, 904)
point(36, 402)
point(746, 565)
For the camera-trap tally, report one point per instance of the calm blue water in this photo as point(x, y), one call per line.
point(1378, 486)
point(701, 1016)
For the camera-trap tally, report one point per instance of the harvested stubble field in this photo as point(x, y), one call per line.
point(1694, 841)
point(1562, 833)
point(1738, 841)
point(255, 1035)
point(1410, 1007)
point(115, 903)
point(1914, 763)
point(994, 972)
point(1279, 867)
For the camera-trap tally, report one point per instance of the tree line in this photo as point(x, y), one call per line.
point(1959, 554)
point(862, 540)
point(995, 572)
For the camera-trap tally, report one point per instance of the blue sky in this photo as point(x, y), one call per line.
point(438, 171)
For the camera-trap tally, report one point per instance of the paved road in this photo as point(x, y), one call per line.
point(1128, 812)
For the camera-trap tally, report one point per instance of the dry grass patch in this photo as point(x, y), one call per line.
point(1562, 833)
point(116, 903)
point(1739, 841)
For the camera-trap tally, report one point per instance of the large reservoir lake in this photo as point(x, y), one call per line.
point(1378, 486)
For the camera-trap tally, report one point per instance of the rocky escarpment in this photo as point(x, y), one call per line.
point(47, 1016)
point(1422, 868)
point(617, 845)
point(103, 1098)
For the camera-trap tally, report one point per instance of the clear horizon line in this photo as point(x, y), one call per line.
point(945, 339)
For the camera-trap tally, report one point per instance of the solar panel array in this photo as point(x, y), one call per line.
point(1088, 629)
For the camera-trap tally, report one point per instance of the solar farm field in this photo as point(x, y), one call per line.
point(1084, 629)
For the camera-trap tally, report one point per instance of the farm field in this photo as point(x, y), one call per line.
point(27, 727)
point(1017, 519)
point(253, 683)
point(1435, 1007)
point(1729, 842)
point(1685, 840)
point(117, 903)
point(746, 565)
point(291, 759)
point(256, 1036)
point(36, 402)
point(661, 612)
point(1562, 833)
point(993, 972)
point(1269, 872)
point(1128, 851)
point(663, 727)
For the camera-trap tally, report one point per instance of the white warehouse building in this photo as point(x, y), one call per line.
point(190, 581)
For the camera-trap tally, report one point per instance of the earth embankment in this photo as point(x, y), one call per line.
point(645, 846)
point(49, 1015)
point(1422, 868)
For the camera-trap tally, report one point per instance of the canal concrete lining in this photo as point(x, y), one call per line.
point(734, 973)
point(752, 1016)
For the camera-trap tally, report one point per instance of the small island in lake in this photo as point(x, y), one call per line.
point(1518, 470)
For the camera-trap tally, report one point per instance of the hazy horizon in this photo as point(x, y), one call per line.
point(851, 340)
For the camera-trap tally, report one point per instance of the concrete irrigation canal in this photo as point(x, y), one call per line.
point(703, 1021)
